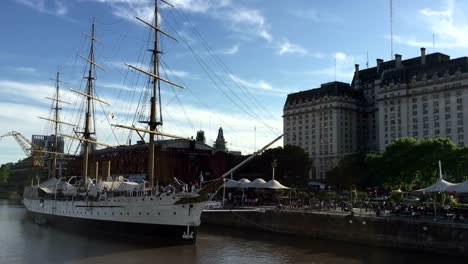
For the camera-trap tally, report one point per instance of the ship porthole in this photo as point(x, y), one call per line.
point(174, 213)
point(147, 213)
point(139, 213)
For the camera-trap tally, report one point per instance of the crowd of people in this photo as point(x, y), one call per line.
point(379, 209)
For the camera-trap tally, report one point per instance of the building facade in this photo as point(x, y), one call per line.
point(422, 97)
point(327, 123)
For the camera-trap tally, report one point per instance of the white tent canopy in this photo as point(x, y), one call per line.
point(243, 181)
point(231, 184)
point(258, 183)
point(255, 184)
point(274, 184)
point(440, 186)
point(459, 187)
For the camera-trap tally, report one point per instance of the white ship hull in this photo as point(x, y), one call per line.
point(153, 213)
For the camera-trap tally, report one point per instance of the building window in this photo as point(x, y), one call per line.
point(448, 130)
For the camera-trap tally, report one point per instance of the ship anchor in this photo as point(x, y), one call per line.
point(188, 234)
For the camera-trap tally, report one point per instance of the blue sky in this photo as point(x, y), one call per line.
point(258, 52)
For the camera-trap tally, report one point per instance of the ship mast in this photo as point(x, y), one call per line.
point(56, 120)
point(86, 138)
point(54, 162)
point(153, 123)
point(89, 92)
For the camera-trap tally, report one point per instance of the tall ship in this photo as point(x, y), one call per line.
point(144, 209)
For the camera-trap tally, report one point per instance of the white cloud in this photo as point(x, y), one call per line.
point(238, 127)
point(290, 48)
point(244, 20)
point(56, 7)
point(21, 118)
point(27, 92)
point(179, 74)
point(340, 56)
point(344, 68)
point(24, 69)
point(201, 6)
point(261, 84)
point(249, 20)
point(449, 26)
point(229, 51)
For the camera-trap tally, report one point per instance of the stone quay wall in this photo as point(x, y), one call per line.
point(426, 235)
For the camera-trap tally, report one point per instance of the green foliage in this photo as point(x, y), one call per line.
point(4, 173)
point(452, 200)
point(396, 196)
point(408, 162)
point(352, 170)
point(302, 195)
point(326, 195)
point(405, 164)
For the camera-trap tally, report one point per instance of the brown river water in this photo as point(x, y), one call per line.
point(23, 241)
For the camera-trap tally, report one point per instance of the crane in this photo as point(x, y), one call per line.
point(30, 149)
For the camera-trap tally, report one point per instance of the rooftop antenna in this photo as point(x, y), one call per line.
point(255, 139)
point(367, 59)
point(335, 68)
point(391, 29)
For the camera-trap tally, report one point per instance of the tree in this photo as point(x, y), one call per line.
point(353, 169)
point(4, 173)
point(408, 162)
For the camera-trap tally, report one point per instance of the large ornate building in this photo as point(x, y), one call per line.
point(422, 97)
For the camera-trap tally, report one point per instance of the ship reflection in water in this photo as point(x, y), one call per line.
point(23, 241)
